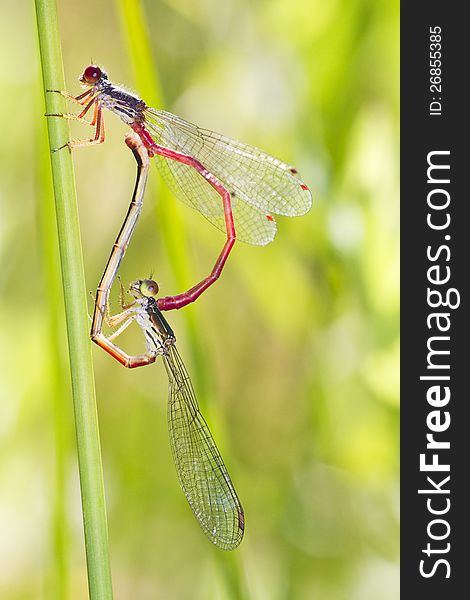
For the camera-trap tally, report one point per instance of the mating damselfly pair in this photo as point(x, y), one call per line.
point(238, 188)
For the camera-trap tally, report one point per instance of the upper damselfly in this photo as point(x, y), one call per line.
point(237, 187)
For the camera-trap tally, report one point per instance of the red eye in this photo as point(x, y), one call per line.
point(92, 74)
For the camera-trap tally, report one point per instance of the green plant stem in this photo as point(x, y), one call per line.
point(73, 281)
point(56, 371)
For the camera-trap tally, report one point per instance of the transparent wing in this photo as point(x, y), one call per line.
point(260, 184)
point(200, 468)
point(251, 225)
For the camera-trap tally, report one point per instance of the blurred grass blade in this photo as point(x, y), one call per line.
point(173, 231)
point(170, 221)
point(149, 88)
point(73, 281)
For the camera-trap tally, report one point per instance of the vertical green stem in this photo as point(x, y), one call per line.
point(73, 281)
point(56, 371)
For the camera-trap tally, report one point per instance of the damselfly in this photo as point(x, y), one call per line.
point(201, 471)
point(236, 187)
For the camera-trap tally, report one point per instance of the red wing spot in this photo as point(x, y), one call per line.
point(269, 218)
point(303, 186)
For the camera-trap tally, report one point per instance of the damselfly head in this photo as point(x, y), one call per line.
point(144, 288)
point(92, 75)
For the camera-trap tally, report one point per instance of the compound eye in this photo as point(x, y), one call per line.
point(92, 74)
point(149, 288)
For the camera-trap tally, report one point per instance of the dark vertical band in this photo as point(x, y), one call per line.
point(435, 319)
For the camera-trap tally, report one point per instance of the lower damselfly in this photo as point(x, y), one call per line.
point(201, 471)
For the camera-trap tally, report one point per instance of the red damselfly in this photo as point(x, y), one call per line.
point(237, 187)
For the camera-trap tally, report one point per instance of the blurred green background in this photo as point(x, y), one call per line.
point(294, 353)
